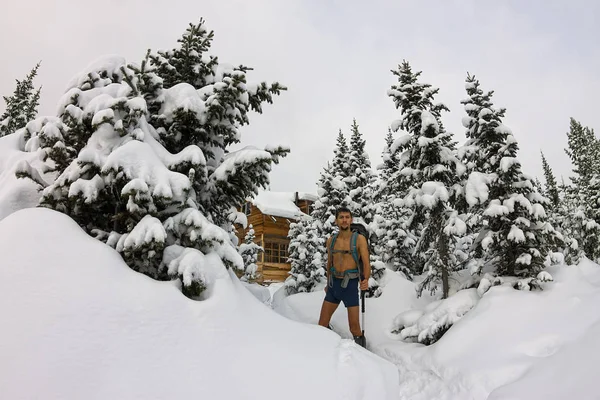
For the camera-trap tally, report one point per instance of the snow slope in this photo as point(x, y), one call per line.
point(511, 345)
point(78, 323)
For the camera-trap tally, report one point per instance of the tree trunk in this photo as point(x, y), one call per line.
point(443, 252)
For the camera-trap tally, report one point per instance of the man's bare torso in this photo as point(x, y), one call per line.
point(343, 261)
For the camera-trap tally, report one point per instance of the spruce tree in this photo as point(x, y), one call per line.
point(360, 180)
point(393, 241)
point(583, 150)
point(516, 236)
point(331, 193)
point(148, 168)
point(386, 170)
point(305, 255)
point(584, 221)
point(341, 165)
point(21, 107)
point(429, 168)
point(249, 250)
point(551, 188)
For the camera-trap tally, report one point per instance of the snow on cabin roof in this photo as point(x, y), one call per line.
point(281, 204)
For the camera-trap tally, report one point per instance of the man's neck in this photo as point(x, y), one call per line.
point(345, 233)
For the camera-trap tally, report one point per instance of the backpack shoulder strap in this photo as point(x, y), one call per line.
point(354, 249)
point(332, 244)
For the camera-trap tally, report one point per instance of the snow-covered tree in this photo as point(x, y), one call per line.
point(551, 187)
point(386, 170)
point(584, 151)
point(146, 167)
point(577, 212)
point(21, 107)
point(393, 241)
point(249, 251)
point(306, 250)
point(331, 193)
point(360, 181)
point(341, 165)
point(430, 169)
point(516, 236)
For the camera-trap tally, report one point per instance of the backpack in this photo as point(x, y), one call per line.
point(356, 229)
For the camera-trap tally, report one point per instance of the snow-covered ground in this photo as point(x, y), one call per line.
point(78, 323)
point(512, 345)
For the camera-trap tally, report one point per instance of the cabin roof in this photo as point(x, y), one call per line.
point(281, 204)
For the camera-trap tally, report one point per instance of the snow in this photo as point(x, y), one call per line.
point(183, 96)
point(402, 141)
point(510, 344)
point(237, 160)
point(137, 159)
point(281, 204)
point(427, 120)
point(78, 323)
point(111, 64)
point(476, 189)
point(15, 193)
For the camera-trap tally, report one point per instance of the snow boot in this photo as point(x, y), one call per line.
point(361, 341)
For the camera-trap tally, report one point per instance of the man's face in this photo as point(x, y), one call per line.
point(344, 220)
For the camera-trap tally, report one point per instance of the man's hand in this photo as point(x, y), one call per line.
point(364, 284)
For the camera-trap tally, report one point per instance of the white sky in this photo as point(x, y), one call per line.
point(541, 58)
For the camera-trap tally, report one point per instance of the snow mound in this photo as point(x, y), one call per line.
point(15, 193)
point(78, 323)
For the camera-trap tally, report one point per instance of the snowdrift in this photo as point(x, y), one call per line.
point(15, 193)
point(78, 323)
point(511, 345)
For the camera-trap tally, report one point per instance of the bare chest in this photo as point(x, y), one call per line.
point(341, 256)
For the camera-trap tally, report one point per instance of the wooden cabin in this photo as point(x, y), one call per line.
point(270, 214)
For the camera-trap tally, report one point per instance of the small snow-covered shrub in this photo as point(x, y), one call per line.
point(428, 326)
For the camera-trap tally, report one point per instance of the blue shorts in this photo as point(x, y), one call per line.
point(336, 293)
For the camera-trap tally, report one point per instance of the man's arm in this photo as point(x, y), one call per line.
point(363, 250)
point(328, 265)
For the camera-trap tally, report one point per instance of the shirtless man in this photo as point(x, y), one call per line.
point(340, 263)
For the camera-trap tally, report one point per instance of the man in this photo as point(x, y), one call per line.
point(343, 275)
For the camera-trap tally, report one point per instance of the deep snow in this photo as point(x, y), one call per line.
point(78, 323)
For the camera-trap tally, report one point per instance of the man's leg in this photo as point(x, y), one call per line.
point(327, 310)
point(353, 321)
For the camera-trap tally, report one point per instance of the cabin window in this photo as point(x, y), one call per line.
point(276, 252)
point(247, 208)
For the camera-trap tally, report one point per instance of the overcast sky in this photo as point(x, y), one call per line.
point(540, 57)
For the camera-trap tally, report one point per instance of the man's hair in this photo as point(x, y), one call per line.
point(342, 209)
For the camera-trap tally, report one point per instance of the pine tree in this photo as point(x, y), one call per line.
point(430, 169)
point(551, 188)
point(341, 165)
point(583, 150)
point(516, 236)
point(305, 255)
point(393, 241)
point(583, 222)
point(572, 223)
point(386, 170)
point(331, 193)
point(148, 168)
point(21, 107)
point(360, 181)
point(249, 251)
